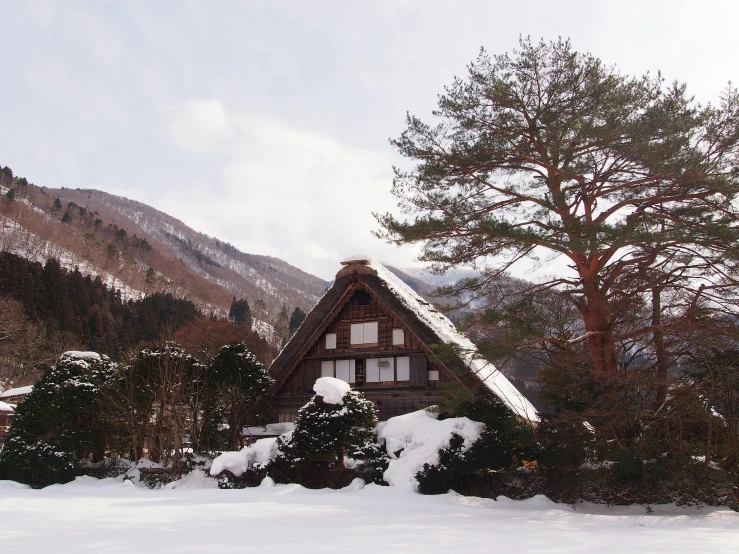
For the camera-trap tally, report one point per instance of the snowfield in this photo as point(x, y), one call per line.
point(194, 516)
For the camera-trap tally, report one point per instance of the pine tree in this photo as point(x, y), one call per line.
point(60, 422)
point(6, 176)
point(550, 152)
point(297, 317)
point(326, 433)
point(239, 393)
point(282, 324)
point(240, 312)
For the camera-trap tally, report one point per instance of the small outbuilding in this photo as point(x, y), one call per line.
point(6, 412)
point(15, 396)
point(373, 331)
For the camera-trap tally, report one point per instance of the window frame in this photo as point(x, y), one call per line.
point(333, 364)
point(385, 382)
point(334, 335)
point(364, 325)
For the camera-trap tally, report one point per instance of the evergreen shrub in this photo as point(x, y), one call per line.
point(59, 423)
point(325, 435)
point(503, 445)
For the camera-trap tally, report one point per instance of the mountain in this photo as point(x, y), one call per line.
point(139, 250)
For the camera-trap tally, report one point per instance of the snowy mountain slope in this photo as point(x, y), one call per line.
point(256, 278)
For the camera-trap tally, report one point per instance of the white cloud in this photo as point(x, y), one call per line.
point(199, 126)
point(42, 12)
point(295, 193)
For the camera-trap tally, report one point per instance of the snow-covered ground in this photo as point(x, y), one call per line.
point(114, 516)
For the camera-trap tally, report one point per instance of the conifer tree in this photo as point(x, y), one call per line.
point(240, 393)
point(282, 325)
point(240, 312)
point(60, 422)
point(550, 152)
point(296, 318)
point(326, 432)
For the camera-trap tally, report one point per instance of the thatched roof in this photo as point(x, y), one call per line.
point(428, 324)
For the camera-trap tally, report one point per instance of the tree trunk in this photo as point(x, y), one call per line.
point(340, 458)
point(597, 318)
point(660, 351)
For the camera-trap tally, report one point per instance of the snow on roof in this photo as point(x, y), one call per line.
point(82, 355)
point(448, 333)
point(5, 407)
point(331, 389)
point(269, 430)
point(20, 391)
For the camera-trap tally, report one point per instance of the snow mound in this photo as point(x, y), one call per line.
point(237, 463)
point(267, 482)
point(414, 439)
point(357, 484)
point(331, 389)
point(4, 407)
point(196, 479)
point(82, 355)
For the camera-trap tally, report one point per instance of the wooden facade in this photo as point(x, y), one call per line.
point(392, 394)
point(6, 413)
point(363, 332)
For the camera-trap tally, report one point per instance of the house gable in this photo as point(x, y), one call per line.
point(405, 383)
point(399, 378)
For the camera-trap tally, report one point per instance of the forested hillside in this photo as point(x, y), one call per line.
point(266, 282)
point(139, 251)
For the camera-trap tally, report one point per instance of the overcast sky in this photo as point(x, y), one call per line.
point(266, 124)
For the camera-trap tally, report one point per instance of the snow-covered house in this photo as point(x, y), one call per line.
point(14, 396)
point(373, 331)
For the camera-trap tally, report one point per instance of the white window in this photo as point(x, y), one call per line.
point(398, 337)
point(330, 341)
point(403, 368)
point(327, 368)
point(341, 369)
point(372, 370)
point(364, 333)
point(345, 370)
point(433, 375)
point(357, 333)
point(387, 370)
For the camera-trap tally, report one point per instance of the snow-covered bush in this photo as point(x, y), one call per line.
point(503, 444)
point(60, 422)
point(336, 424)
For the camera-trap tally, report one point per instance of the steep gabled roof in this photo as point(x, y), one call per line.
point(425, 321)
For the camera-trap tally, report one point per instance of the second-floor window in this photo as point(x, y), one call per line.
point(330, 341)
point(363, 333)
point(341, 369)
point(387, 370)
